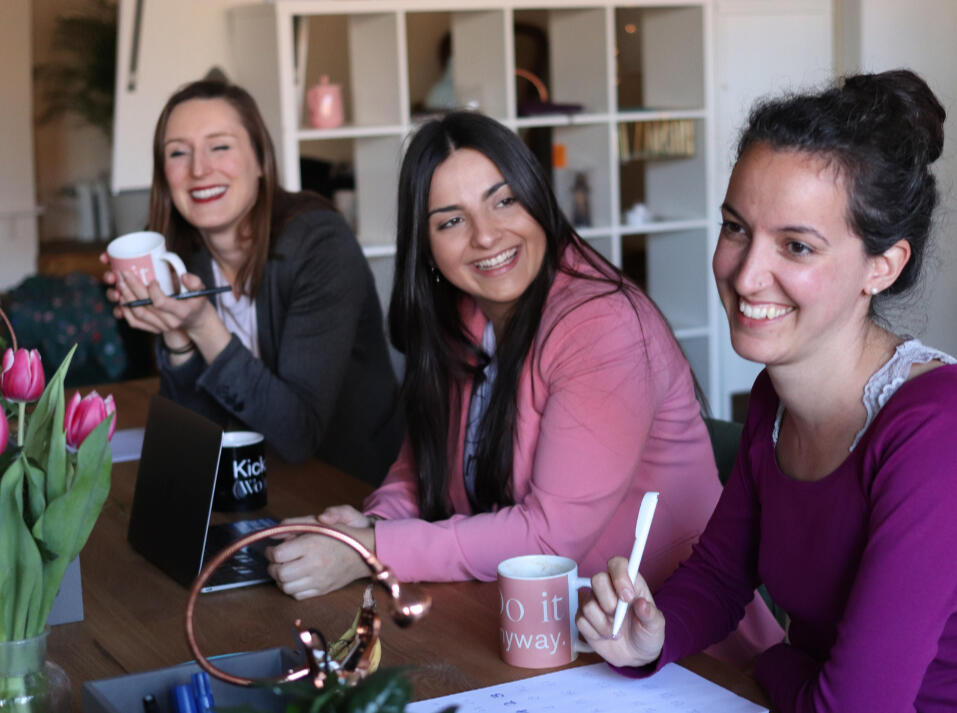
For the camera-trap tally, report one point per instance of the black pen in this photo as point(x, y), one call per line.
point(149, 704)
point(182, 296)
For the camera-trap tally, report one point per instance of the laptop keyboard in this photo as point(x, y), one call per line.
point(246, 566)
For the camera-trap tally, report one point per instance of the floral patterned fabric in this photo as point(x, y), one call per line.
point(52, 314)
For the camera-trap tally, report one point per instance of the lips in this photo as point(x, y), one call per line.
point(496, 261)
point(765, 311)
point(207, 193)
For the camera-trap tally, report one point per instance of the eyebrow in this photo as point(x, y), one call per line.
point(799, 229)
point(216, 135)
point(485, 196)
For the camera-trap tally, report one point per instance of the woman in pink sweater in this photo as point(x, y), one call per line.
point(545, 394)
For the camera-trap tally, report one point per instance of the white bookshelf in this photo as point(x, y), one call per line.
point(635, 68)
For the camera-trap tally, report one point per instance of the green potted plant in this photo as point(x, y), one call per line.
point(81, 81)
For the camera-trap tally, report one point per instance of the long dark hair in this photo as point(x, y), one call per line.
point(883, 131)
point(424, 319)
point(273, 206)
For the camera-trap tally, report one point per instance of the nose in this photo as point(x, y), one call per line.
point(198, 164)
point(486, 231)
point(753, 273)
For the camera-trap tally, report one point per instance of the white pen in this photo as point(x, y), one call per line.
point(645, 514)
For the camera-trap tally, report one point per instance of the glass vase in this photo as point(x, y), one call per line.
point(28, 682)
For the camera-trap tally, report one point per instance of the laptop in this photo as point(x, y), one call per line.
point(173, 500)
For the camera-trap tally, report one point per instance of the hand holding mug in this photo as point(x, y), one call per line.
point(165, 314)
point(642, 634)
point(144, 255)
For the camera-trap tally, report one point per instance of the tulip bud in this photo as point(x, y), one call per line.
point(4, 431)
point(22, 377)
point(84, 415)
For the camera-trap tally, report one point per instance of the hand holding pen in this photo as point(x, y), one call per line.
point(181, 296)
point(620, 619)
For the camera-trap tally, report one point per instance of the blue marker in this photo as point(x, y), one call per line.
point(181, 698)
point(202, 692)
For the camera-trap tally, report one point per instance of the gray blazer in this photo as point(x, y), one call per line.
point(324, 384)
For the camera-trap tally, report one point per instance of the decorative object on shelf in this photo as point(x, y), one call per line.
point(543, 105)
point(638, 214)
point(339, 674)
point(55, 478)
point(658, 139)
point(581, 200)
point(325, 104)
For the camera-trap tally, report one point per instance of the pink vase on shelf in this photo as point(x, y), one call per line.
point(325, 104)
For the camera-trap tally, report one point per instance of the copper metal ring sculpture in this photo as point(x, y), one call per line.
point(408, 604)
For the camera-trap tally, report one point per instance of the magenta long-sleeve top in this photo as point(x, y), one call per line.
point(863, 560)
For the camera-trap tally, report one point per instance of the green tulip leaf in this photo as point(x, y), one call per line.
point(69, 519)
point(36, 493)
point(19, 559)
point(45, 441)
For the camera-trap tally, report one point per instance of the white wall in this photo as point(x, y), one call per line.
point(762, 47)
point(18, 229)
point(922, 35)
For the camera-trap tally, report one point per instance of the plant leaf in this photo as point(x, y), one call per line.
point(20, 565)
point(385, 691)
point(45, 441)
point(69, 519)
point(36, 495)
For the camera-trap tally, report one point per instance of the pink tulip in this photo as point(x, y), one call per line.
point(22, 377)
point(84, 415)
point(4, 431)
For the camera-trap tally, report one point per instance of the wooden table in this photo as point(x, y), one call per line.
point(134, 613)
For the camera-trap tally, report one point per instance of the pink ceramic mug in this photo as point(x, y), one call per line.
point(144, 254)
point(539, 599)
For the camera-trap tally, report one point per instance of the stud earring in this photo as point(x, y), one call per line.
point(874, 291)
point(436, 275)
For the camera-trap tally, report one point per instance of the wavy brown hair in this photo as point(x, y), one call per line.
point(258, 226)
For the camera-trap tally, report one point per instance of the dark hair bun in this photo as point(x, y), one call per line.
point(900, 103)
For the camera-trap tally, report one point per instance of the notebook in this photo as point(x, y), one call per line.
point(173, 500)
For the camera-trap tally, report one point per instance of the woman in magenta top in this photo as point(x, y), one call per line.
point(844, 495)
point(545, 394)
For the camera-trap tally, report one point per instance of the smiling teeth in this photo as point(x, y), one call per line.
point(496, 261)
point(204, 193)
point(762, 311)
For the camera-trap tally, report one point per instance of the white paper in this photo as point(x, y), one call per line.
point(594, 689)
point(126, 444)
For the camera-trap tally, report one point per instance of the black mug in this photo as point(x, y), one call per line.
point(241, 480)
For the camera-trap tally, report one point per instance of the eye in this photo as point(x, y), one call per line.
point(451, 222)
point(796, 247)
point(175, 153)
point(221, 147)
point(730, 227)
point(507, 201)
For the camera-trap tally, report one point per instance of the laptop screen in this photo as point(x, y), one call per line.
point(174, 489)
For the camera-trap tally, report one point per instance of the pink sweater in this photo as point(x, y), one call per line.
point(606, 412)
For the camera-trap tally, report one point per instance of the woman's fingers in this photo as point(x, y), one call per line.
point(343, 515)
point(309, 565)
point(642, 633)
